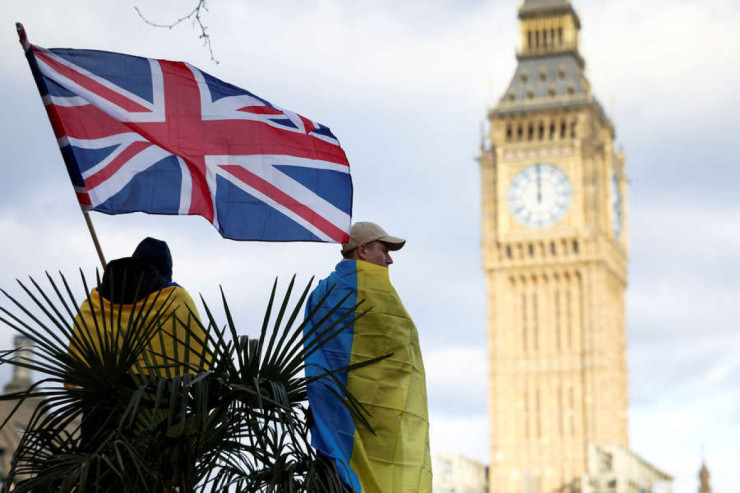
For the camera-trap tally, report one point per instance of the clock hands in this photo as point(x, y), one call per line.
point(539, 185)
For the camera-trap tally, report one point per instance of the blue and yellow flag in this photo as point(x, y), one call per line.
point(166, 354)
point(392, 390)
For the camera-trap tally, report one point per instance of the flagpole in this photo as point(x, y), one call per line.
point(94, 236)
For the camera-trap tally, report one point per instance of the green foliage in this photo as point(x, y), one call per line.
point(235, 421)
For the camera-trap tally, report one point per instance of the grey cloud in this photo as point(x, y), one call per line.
point(31, 161)
point(687, 369)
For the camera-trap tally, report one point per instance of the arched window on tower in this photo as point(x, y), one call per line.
point(544, 38)
point(541, 131)
point(535, 324)
point(524, 322)
point(552, 130)
point(560, 36)
point(568, 315)
point(572, 411)
point(526, 415)
point(538, 414)
point(529, 40)
point(508, 132)
point(558, 335)
point(530, 132)
point(537, 39)
point(519, 132)
point(560, 410)
point(563, 129)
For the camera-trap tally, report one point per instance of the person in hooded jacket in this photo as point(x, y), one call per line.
point(141, 286)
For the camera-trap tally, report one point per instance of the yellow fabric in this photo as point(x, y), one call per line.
point(393, 390)
point(176, 315)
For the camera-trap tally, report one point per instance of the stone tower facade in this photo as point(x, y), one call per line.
point(554, 239)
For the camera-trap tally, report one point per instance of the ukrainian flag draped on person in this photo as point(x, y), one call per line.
point(392, 390)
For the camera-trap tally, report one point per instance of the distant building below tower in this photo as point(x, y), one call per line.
point(613, 468)
point(12, 432)
point(458, 474)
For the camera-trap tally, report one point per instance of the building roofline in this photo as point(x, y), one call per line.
point(519, 107)
point(663, 475)
point(550, 53)
point(572, 102)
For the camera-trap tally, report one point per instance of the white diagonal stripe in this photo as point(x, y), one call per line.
point(156, 112)
point(278, 207)
point(102, 143)
point(141, 162)
point(103, 82)
point(186, 187)
point(65, 101)
point(228, 108)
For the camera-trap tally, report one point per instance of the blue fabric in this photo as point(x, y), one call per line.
point(265, 222)
point(157, 190)
point(333, 429)
point(334, 187)
point(132, 73)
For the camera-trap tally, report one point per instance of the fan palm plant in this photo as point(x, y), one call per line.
point(233, 418)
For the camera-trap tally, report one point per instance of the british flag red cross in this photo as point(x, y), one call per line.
point(163, 137)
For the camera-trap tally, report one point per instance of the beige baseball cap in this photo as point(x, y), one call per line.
point(365, 232)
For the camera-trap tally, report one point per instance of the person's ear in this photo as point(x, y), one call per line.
point(362, 252)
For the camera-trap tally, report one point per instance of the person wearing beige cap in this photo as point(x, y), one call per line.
point(394, 456)
point(370, 242)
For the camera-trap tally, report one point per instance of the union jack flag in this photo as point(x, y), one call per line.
point(164, 137)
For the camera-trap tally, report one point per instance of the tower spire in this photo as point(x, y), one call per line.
point(550, 73)
point(548, 27)
point(704, 478)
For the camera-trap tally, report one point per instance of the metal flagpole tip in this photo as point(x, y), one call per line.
point(22, 35)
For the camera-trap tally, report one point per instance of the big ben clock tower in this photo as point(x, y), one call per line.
point(555, 256)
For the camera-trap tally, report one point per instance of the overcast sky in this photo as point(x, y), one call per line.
point(405, 86)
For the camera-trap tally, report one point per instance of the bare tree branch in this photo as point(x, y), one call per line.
point(195, 16)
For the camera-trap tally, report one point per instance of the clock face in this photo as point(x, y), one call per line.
point(539, 195)
point(615, 197)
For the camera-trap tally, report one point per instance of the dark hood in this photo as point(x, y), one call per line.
point(125, 276)
point(158, 253)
